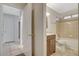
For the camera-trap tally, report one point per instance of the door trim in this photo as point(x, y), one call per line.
point(33, 34)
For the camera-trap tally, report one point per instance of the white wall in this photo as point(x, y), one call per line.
point(51, 20)
point(40, 21)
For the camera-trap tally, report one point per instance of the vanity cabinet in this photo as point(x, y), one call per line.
point(51, 44)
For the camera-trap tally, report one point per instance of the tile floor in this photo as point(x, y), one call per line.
point(68, 52)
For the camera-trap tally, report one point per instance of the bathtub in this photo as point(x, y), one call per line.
point(65, 43)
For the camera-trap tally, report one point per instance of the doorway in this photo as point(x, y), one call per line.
point(62, 29)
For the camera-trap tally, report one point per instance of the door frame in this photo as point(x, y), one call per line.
point(33, 34)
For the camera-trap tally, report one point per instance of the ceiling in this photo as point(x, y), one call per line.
point(13, 8)
point(16, 5)
point(63, 7)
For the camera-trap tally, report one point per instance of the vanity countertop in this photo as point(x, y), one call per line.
point(50, 34)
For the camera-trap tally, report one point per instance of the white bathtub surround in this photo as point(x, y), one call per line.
point(67, 46)
point(61, 46)
point(72, 43)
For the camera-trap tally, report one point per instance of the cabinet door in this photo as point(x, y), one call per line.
point(50, 45)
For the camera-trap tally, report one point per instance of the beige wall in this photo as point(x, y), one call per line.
point(40, 38)
point(67, 29)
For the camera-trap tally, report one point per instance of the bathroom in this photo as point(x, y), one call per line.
point(62, 27)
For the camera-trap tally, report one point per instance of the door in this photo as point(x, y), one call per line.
point(27, 30)
point(33, 34)
point(8, 29)
point(10, 32)
point(1, 29)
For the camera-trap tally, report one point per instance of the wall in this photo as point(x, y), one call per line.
point(68, 29)
point(51, 20)
point(67, 32)
point(40, 38)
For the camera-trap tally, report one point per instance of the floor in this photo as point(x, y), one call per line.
point(68, 52)
point(22, 54)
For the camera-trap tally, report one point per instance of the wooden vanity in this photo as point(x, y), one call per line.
point(51, 44)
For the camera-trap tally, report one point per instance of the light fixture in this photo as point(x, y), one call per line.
point(67, 17)
point(76, 15)
point(47, 4)
point(47, 14)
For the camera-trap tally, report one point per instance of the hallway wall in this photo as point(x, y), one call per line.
point(40, 21)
